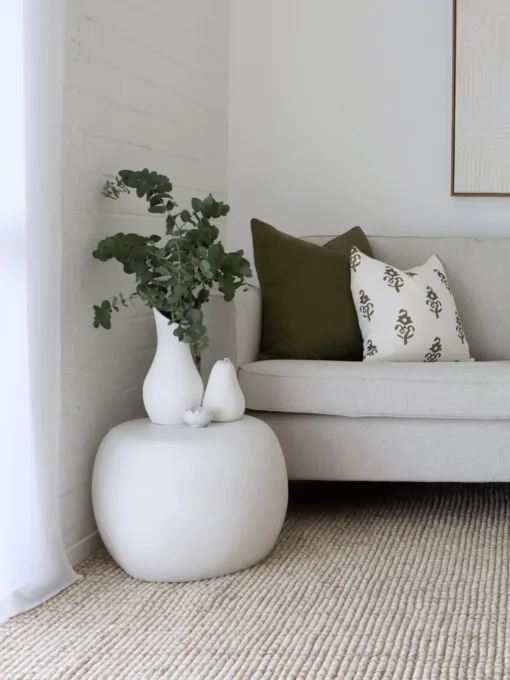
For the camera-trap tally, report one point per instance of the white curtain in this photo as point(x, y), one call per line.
point(33, 563)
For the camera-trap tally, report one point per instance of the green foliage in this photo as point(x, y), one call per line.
point(176, 275)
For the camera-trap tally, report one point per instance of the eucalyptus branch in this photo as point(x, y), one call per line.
point(175, 278)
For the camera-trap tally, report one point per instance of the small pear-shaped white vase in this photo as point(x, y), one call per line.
point(173, 385)
point(223, 396)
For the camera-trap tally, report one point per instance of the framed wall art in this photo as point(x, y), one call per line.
point(481, 98)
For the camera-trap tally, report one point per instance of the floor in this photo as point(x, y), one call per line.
point(366, 582)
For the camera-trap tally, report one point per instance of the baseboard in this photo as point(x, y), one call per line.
point(84, 548)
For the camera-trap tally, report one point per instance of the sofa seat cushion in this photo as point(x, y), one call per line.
point(475, 390)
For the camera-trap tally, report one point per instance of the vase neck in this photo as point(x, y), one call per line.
point(163, 326)
point(167, 340)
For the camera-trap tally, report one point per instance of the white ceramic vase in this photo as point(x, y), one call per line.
point(223, 396)
point(173, 384)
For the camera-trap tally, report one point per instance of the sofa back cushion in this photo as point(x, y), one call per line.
point(479, 274)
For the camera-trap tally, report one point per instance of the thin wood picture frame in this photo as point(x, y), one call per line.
point(455, 104)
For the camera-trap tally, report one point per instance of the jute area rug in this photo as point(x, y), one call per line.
point(402, 586)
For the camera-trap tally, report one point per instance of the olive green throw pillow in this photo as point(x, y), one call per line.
point(307, 307)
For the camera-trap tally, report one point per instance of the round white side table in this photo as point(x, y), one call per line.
point(173, 503)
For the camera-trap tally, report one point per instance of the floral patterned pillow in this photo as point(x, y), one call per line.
point(406, 315)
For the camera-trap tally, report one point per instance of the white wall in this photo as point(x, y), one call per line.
point(145, 86)
point(340, 114)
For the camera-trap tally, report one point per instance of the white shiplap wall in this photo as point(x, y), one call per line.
point(145, 86)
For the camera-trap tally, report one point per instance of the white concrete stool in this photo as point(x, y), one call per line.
point(173, 503)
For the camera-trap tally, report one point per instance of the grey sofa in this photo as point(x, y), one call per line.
point(393, 421)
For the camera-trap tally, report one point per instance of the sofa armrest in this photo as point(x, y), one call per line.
point(247, 325)
point(233, 329)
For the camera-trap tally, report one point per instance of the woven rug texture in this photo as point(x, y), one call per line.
point(405, 586)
